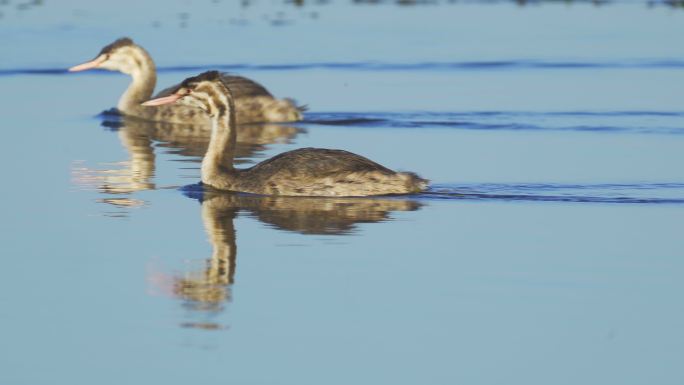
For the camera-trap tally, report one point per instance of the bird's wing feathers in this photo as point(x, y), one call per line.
point(316, 162)
point(239, 86)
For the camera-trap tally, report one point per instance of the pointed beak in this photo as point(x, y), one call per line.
point(160, 101)
point(88, 65)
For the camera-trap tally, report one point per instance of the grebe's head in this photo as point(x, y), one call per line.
point(123, 55)
point(205, 91)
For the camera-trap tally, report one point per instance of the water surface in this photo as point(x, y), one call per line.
point(548, 248)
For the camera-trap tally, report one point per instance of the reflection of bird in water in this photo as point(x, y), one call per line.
point(312, 215)
point(253, 102)
point(193, 140)
point(303, 172)
point(207, 291)
point(140, 138)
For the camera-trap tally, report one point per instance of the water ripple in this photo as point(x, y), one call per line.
point(613, 193)
point(494, 65)
point(642, 193)
point(641, 122)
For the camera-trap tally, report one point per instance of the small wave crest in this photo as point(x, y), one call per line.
point(640, 122)
point(642, 193)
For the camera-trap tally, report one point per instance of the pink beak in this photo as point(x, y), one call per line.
point(164, 100)
point(88, 65)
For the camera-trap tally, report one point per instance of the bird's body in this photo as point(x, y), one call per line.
point(315, 172)
point(302, 172)
point(253, 102)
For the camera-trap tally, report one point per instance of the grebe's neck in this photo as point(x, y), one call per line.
point(218, 160)
point(144, 76)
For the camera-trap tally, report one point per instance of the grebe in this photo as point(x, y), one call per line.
point(302, 172)
point(253, 103)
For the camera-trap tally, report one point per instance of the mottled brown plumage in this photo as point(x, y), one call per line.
point(253, 102)
point(302, 172)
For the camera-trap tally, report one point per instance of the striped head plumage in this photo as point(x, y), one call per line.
point(206, 91)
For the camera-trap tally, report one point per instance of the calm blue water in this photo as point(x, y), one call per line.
point(548, 249)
